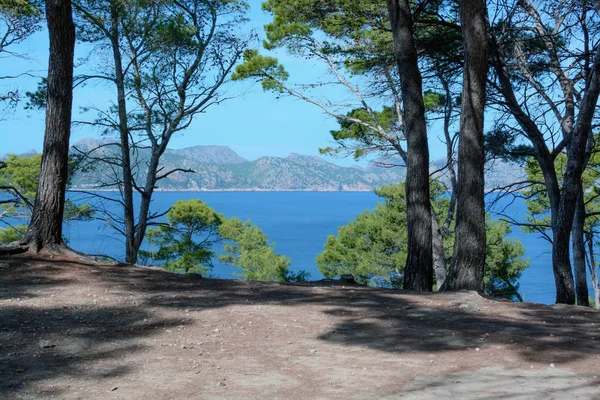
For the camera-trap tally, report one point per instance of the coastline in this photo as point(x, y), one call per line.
point(233, 190)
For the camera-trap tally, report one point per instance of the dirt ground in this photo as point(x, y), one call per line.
point(86, 331)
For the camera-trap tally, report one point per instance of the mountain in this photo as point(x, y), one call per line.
point(220, 168)
point(498, 173)
point(29, 153)
point(209, 155)
point(306, 160)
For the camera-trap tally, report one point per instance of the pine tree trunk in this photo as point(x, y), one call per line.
point(439, 258)
point(45, 229)
point(577, 238)
point(563, 276)
point(146, 200)
point(449, 106)
point(418, 274)
point(127, 176)
point(468, 261)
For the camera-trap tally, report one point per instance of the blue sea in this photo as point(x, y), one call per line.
point(299, 223)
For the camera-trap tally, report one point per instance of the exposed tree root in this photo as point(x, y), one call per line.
point(57, 250)
point(65, 251)
point(11, 249)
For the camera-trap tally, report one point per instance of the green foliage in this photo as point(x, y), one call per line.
point(21, 7)
point(365, 139)
point(300, 276)
point(538, 202)
point(247, 248)
point(359, 32)
point(356, 30)
point(502, 143)
point(19, 19)
point(434, 101)
point(183, 52)
point(79, 212)
point(504, 263)
point(185, 244)
point(373, 247)
point(365, 136)
point(22, 173)
point(12, 234)
point(37, 100)
point(267, 70)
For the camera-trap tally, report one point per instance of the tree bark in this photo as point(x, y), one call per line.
point(144, 213)
point(578, 243)
point(45, 229)
point(468, 261)
point(418, 274)
point(439, 258)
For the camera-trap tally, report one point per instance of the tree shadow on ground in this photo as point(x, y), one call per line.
point(42, 341)
point(26, 284)
point(539, 334)
point(385, 321)
point(49, 341)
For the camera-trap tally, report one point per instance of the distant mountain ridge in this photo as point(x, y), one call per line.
point(28, 153)
point(219, 168)
point(498, 173)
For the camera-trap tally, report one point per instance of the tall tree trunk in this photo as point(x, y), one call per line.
point(562, 274)
point(449, 106)
point(576, 159)
point(468, 261)
point(439, 233)
point(418, 274)
point(439, 258)
point(45, 229)
point(127, 176)
point(146, 200)
point(577, 238)
point(561, 264)
point(593, 270)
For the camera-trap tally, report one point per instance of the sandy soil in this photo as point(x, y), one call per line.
point(76, 331)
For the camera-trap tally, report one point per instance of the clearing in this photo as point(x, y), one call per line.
point(84, 331)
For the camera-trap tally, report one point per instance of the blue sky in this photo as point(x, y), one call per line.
point(253, 124)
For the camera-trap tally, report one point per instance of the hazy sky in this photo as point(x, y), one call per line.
point(254, 124)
